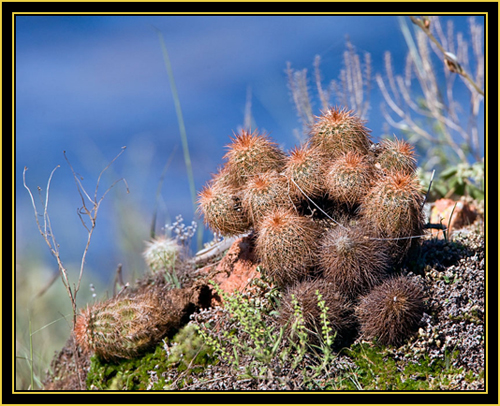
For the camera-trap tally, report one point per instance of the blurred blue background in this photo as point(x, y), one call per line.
point(89, 85)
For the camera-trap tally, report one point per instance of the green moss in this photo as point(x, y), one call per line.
point(377, 369)
point(185, 351)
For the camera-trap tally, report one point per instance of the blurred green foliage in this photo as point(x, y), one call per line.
point(456, 181)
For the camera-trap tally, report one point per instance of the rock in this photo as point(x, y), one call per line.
point(464, 214)
point(237, 268)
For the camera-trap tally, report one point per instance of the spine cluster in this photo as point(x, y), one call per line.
point(339, 213)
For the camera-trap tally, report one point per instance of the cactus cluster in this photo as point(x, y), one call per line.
point(332, 218)
point(338, 212)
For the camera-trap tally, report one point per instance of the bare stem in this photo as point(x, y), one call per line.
point(48, 235)
point(420, 23)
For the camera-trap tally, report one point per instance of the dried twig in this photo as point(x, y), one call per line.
point(449, 58)
point(433, 115)
point(45, 229)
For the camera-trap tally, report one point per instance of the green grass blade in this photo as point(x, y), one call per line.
point(178, 110)
point(182, 128)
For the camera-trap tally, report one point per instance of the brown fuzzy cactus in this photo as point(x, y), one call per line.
point(338, 131)
point(222, 211)
point(305, 294)
point(352, 260)
point(286, 245)
point(250, 154)
point(397, 156)
point(391, 312)
point(124, 327)
point(263, 193)
point(303, 171)
point(394, 207)
point(348, 178)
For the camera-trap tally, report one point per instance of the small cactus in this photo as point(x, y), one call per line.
point(222, 210)
point(303, 170)
point(162, 254)
point(250, 154)
point(305, 294)
point(286, 245)
point(397, 156)
point(124, 327)
point(339, 131)
point(392, 311)
point(348, 178)
point(263, 193)
point(353, 261)
point(394, 207)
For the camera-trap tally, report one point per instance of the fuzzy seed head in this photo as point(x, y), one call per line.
point(286, 245)
point(392, 311)
point(303, 170)
point(348, 178)
point(352, 261)
point(305, 295)
point(397, 156)
point(339, 131)
point(250, 154)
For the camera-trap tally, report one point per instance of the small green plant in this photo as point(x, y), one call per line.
point(183, 355)
point(458, 180)
point(255, 345)
point(251, 333)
